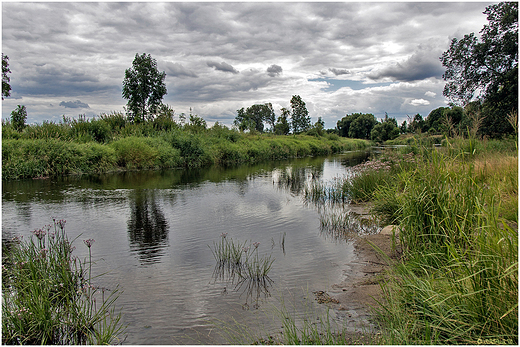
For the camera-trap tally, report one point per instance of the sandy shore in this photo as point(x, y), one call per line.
point(353, 298)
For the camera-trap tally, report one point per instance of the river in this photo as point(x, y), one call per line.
point(154, 232)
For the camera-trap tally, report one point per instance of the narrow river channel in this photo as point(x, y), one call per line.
point(154, 232)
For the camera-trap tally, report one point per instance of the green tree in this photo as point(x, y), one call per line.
point(196, 124)
point(434, 120)
point(258, 113)
point(242, 120)
point(6, 87)
point(343, 124)
point(144, 87)
point(487, 68)
point(270, 116)
point(357, 125)
point(417, 125)
point(386, 130)
point(282, 126)
point(300, 116)
point(253, 117)
point(18, 117)
point(317, 128)
point(403, 128)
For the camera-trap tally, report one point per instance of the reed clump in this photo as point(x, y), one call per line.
point(241, 263)
point(457, 211)
point(48, 296)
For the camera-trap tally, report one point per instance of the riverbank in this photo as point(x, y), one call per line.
point(50, 149)
point(452, 277)
point(355, 297)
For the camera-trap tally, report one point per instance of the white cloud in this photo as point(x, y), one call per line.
point(430, 94)
point(419, 102)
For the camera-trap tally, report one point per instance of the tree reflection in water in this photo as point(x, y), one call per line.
point(147, 227)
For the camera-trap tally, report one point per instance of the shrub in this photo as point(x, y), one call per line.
point(96, 158)
point(43, 157)
point(135, 153)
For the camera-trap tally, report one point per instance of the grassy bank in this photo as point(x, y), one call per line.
point(106, 145)
point(48, 296)
point(457, 211)
point(457, 208)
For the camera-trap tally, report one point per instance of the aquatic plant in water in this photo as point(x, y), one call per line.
point(240, 263)
point(48, 297)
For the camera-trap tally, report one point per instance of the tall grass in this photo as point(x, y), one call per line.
point(459, 283)
point(48, 296)
point(472, 299)
point(111, 143)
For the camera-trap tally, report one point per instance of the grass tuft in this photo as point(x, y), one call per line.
point(48, 296)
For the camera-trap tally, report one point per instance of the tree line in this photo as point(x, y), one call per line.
point(481, 76)
point(295, 120)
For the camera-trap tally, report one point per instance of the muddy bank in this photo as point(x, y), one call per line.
point(360, 290)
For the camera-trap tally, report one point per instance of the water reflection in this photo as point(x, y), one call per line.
point(161, 273)
point(147, 226)
point(342, 224)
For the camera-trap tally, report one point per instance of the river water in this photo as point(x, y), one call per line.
point(154, 232)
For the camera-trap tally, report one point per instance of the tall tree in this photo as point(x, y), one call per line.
point(270, 117)
point(356, 125)
point(435, 119)
point(242, 120)
point(6, 87)
point(18, 117)
point(282, 126)
point(417, 125)
point(254, 116)
point(144, 87)
point(487, 68)
point(300, 116)
point(361, 127)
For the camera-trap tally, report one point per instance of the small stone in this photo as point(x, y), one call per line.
point(390, 229)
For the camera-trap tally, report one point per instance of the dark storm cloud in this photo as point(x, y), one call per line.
point(225, 67)
point(274, 70)
point(421, 65)
point(338, 72)
point(177, 70)
point(53, 79)
point(74, 104)
point(63, 51)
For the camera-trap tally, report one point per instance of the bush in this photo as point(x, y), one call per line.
point(96, 158)
point(135, 153)
point(36, 158)
point(191, 149)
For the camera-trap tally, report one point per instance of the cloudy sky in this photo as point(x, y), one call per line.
point(69, 58)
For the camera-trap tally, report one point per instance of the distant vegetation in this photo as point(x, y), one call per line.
point(113, 142)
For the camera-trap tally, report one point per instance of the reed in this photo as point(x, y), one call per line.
point(307, 325)
point(240, 263)
point(341, 224)
point(48, 296)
